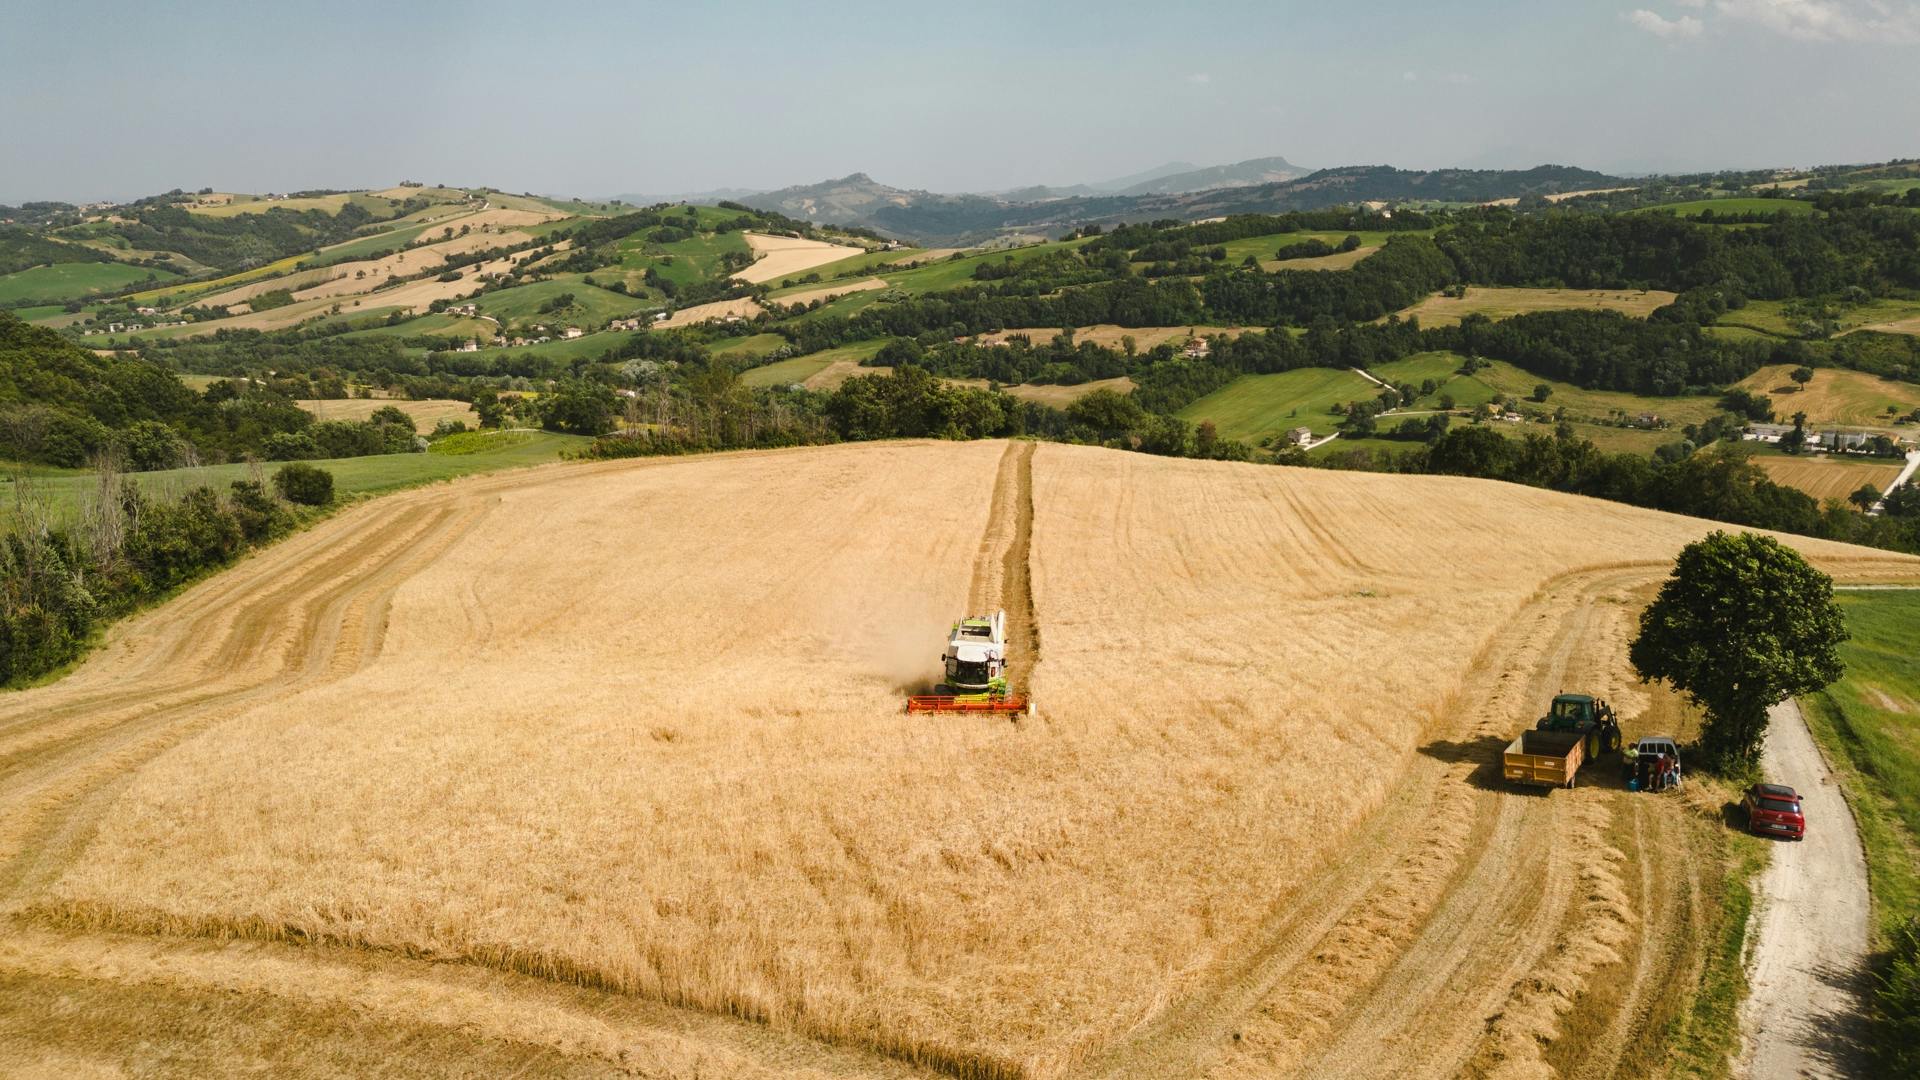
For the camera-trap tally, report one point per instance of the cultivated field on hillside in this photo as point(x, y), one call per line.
point(63, 281)
point(745, 308)
point(426, 413)
point(1835, 395)
point(779, 257)
point(1109, 336)
point(1825, 476)
point(1059, 397)
point(1498, 303)
point(656, 802)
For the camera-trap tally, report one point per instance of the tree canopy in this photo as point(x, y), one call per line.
point(1743, 624)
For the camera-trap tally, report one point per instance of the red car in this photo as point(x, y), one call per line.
point(1774, 810)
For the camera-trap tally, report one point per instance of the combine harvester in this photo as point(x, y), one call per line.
point(976, 671)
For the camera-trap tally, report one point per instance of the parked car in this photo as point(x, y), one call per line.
point(1652, 764)
point(1774, 810)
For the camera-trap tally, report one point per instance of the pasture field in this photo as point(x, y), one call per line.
point(1834, 396)
point(1263, 247)
point(180, 295)
point(795, 369)
point(1267, 853)
point(937, 276)
point(1731, 205)
point(1502, 378)
point(426, 413)
point(457, 327)
point(1869, 725)
point(591, 306)
point(74, 281)
point(683, 262)
point(68, 490)
point(1498, 303)
point(1253, 407)
point(1883, 314)
point(1827, 476)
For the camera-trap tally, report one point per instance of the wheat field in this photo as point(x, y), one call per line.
point(609, 761)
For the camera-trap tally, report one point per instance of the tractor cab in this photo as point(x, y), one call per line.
point(1588, 715)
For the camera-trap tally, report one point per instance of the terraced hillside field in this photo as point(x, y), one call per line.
point(602, 768)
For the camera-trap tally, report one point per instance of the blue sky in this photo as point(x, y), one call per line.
point(117, 100)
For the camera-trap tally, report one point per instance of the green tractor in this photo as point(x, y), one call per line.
point(1587, 715)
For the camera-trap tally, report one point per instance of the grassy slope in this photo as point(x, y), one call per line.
point(71, 281)
point(590, 304)
point(1254, 406)
point(853, 268)
point(1739, 205)
point(66, 489)
point(1263, 247)
point(1868, 724)
point(1768, 316)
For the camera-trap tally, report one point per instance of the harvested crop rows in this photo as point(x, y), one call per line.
point(652, 806)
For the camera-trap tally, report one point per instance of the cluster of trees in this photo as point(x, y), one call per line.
point(239, 241)
point(58, 584)
point(64, 405)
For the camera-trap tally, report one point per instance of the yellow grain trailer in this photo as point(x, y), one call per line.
point(1552, 758)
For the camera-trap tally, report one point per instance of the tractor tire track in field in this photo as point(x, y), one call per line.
point(309, 610)
point(1446, 896)
point(1003, 569)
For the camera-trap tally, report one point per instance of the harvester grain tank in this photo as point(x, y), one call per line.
point(1577, 728)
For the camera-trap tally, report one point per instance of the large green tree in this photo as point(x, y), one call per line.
point(1743, 624)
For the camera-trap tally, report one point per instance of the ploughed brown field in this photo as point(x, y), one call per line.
point(599, 768)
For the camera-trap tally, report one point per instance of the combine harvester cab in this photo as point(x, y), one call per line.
point(975, 662)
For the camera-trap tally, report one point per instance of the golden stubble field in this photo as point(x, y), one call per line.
point(627, 737)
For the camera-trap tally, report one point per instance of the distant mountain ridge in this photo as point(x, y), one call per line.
point(935, 219)
point(1267, 170)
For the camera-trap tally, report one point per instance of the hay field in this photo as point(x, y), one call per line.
point(1834, 395)
point(785, 256)
point(1825, 476)
point(655, 803)
point(745, 307)
point(1498, 303)
point(426, 413)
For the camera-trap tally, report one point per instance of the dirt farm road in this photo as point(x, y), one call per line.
point(1809, 961)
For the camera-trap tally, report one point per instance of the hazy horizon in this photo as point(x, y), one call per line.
point(611, 100)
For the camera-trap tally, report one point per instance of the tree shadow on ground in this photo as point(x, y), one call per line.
point(1841, 1038)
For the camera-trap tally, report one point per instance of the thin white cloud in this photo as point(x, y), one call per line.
point(1459, 78)
point(1686, 26)
point(1200, 78)
point(1829, 20)
point(1409, 76)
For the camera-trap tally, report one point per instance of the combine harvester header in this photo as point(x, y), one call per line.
point(975, 661)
